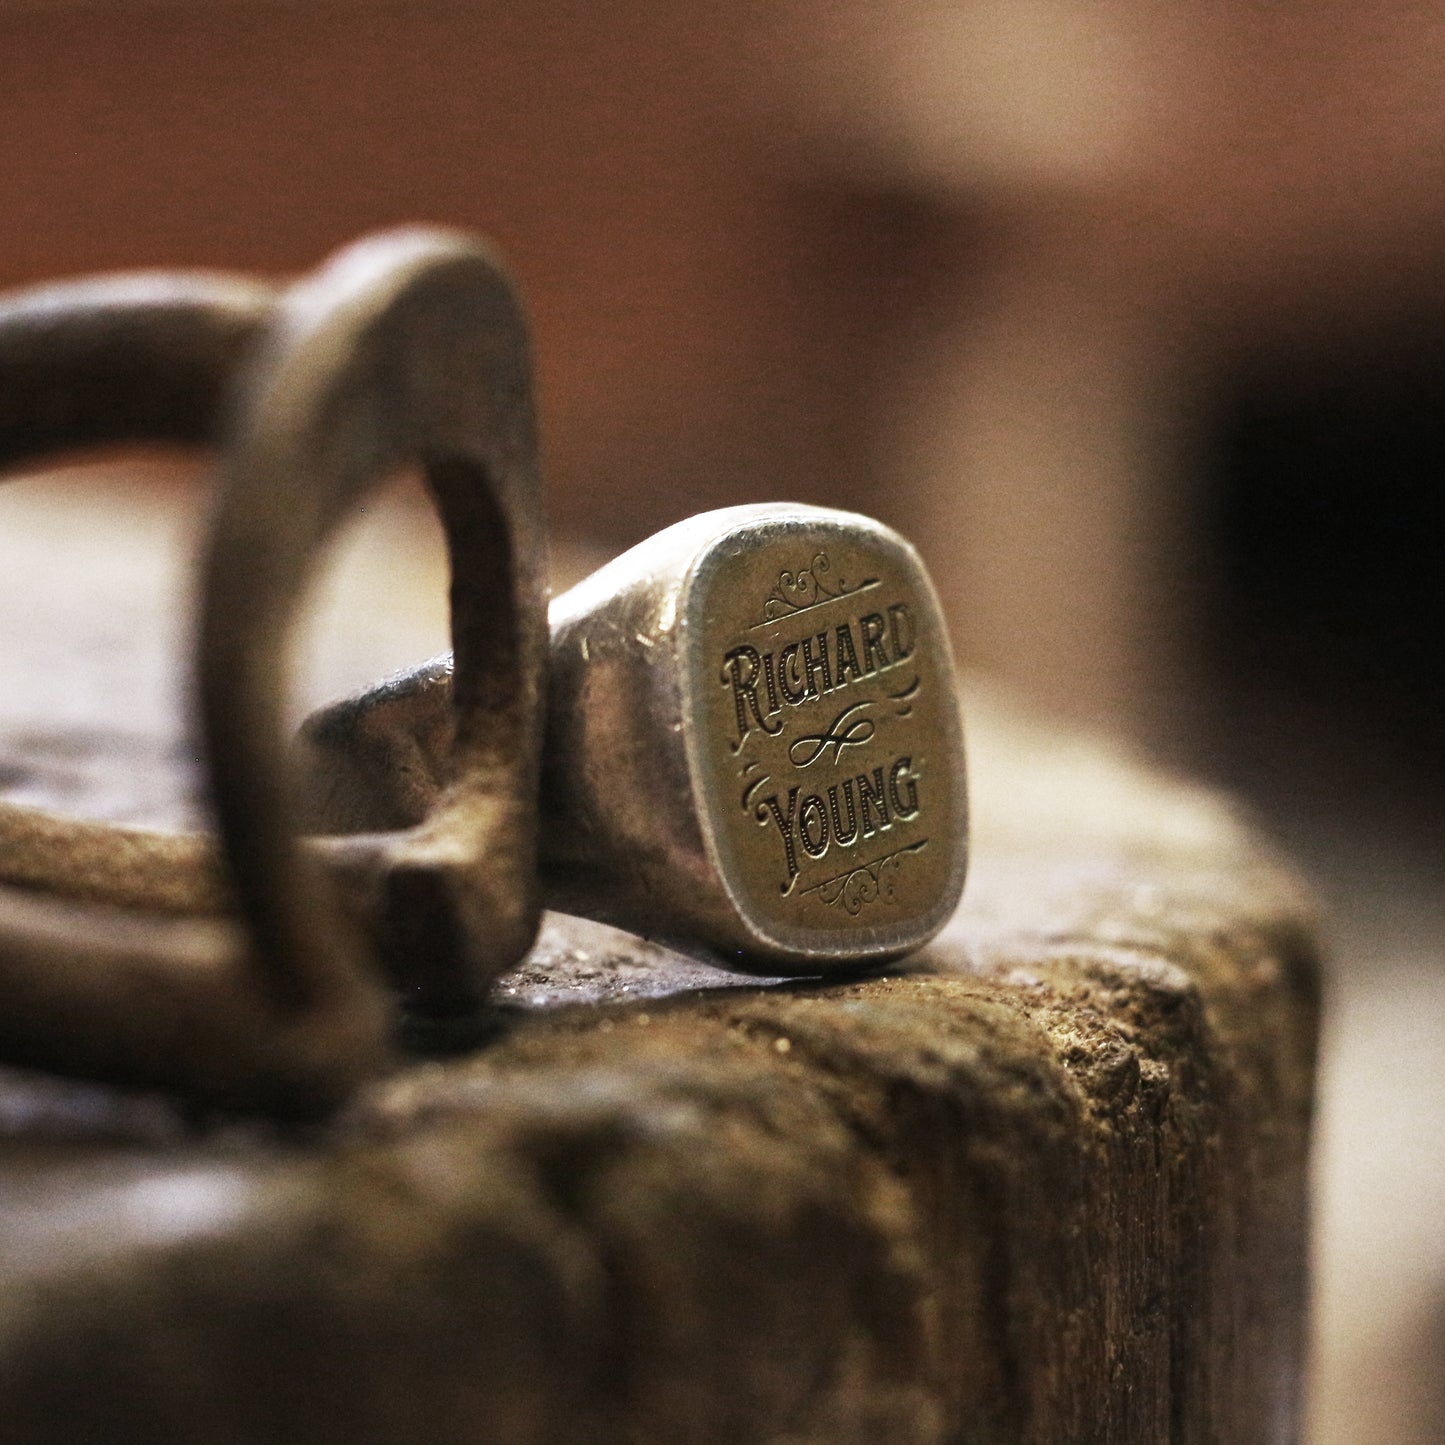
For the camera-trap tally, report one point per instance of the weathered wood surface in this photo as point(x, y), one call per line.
point(1044, 1183)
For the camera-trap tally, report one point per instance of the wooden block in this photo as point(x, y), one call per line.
point(1044, 1183)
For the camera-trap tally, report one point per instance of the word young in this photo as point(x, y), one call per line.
point(817, 826)
point(809, 668)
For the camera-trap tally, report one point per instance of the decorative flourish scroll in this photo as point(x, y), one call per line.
point(752, 783)
point(868, 883)
point(815, 745)
point(808, 587)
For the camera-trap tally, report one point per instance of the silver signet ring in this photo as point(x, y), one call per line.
point(753, 742)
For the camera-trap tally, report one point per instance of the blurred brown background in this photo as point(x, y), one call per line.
point(1128, 312)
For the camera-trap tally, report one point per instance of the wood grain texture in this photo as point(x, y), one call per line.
point(1044, 1183)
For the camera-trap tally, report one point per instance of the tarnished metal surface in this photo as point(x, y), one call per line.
point(406, 348)
point(753, 742)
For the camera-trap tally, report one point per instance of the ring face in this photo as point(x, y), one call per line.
point(823, 735)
